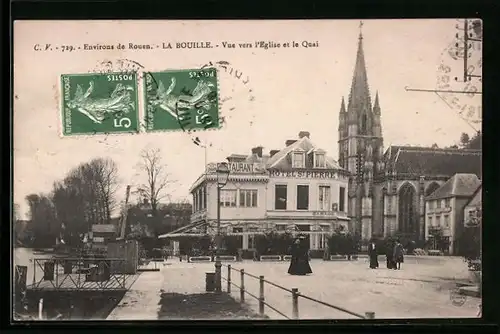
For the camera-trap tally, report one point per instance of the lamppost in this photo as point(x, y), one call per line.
point(222, 177)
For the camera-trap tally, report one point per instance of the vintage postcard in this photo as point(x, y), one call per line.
point(292, 169)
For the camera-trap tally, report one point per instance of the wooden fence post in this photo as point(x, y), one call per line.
point(370, 315)
point(40, 309)
point(295, 303)
point(242, 285)
point(228, 278)
point(261, 295)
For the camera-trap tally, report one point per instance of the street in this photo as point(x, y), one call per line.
point(422, 289)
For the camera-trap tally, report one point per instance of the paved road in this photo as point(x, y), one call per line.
point(421, 289)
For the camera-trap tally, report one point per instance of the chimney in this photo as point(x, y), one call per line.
point(303, 134)
point(273, 152)
point(290, 142)
point(257, 150)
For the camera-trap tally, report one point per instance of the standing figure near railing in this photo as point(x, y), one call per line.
point(299, 264)
point(373, 254)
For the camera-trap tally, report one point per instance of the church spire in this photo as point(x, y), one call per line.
point(359, 96)
point(342, 106)
point(376, 105)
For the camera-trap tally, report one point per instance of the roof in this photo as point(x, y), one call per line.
point(279, 159)
point(426, 161)
point(460, 185)
point(476, 199)
point(104, 228)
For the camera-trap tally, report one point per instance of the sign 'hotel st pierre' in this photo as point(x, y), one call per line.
point(250, 168)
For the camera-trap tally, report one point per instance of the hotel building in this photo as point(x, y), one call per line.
point(297, 188)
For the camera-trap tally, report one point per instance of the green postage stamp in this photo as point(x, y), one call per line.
point(99, 103)
point(182, 100)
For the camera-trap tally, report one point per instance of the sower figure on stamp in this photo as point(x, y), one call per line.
point(398, 255)
point(372, 253)
point(299, 264)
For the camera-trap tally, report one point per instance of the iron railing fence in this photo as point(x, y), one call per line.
point(293, 291)
point(79, 273)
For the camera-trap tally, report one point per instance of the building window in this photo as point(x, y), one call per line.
point(205, 197)
point(431, 223)
point(298, 160)
point(302, 197)
point(228, 198)
point(323, 241)
point(324, 198)
point(342, 199)
point(438, 221)
point(200, 199)
point(280, 197)
point(438, 203)
point(319, 160)
point(447, 203)
point(446, 221)
point(248, 198)
point(431, 205)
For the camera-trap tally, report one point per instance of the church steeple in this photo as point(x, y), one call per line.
point(376, 105)
point(359, 97)
point(342, 106)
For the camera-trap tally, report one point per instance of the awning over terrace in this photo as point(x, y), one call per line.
point(182, 231)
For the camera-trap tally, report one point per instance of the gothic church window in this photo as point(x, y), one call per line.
point(407, 209)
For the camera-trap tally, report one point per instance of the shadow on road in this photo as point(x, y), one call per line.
point(202, 307)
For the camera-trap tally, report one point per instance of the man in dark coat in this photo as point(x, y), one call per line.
point(299, 264)
point(389, 254)
point(372, 253)
point(398, 254)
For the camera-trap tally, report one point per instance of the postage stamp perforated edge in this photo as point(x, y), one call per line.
point(181, 128)
point(100, 69)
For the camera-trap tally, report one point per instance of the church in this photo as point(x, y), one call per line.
point(387, 188)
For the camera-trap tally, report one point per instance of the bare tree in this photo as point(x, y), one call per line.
point(158, 180)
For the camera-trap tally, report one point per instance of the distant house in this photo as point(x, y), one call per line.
point(445, 209)
point(102, 234)
point(473, 209)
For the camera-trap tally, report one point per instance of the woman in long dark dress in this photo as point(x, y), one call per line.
point(299, 264)
point(372, 252)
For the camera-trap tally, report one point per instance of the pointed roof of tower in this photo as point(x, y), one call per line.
point(342, 106)
point(376, 105)
point(359, 97)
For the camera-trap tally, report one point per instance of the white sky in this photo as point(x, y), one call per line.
point(295, 89)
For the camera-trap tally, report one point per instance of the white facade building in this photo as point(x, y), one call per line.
point(298, 188)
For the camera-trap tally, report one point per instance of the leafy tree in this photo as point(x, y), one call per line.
point(43, 218)
point(86, 196)
point(464, 139)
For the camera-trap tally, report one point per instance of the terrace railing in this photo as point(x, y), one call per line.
point(79, 274)
point(296, 295)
